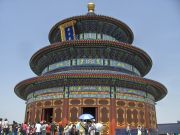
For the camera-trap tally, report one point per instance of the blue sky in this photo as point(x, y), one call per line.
point(24, 28)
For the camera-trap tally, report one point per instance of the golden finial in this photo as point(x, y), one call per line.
point(91, 7)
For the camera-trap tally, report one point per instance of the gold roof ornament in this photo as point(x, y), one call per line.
point(91, 7)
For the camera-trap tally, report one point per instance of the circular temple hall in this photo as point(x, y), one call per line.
point(92, 67)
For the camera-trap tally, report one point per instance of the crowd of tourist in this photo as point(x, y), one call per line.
point(139, 130)
point(46, 128)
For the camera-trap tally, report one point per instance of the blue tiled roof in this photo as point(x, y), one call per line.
point(133, 132)
point(168, 128)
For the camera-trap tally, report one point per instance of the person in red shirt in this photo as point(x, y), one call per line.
point(48, 129)
point(24, 128)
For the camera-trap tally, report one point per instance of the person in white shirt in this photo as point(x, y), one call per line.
point(43, 128)
point(38, 128)
point(5, 125)
point(128, 130)
point(66, 130)
point(139, 132)
point(92, 127)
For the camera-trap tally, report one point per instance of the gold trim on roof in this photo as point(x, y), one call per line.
point(91, 7)
point(63, 26)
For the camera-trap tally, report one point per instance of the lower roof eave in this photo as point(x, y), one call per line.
point(159, 91)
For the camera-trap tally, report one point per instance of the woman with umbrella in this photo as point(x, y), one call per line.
point(92, 127)
point(83, 126)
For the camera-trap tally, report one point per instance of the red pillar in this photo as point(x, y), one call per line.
point(65, 111)
point(112, 123)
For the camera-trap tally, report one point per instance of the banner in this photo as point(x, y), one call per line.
point(67, 31)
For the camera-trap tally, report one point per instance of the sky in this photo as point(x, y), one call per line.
point(25, 25)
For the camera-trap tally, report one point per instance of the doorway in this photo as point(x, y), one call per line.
point(48, 114)
point(90, 110)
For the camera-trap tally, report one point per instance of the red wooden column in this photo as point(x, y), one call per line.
point(65, 111)
point(146, 111)
point(112, 123)
point(33, 107)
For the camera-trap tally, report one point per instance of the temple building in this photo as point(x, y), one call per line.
point(92, 67)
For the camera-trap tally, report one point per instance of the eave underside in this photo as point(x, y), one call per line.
point(91, 49)
point(43, 82)
point(95, 23)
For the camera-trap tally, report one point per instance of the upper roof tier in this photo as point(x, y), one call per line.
point(91, 23)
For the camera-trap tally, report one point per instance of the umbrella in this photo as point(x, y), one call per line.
point(86, 117)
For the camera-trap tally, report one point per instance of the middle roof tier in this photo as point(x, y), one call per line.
point(91, 49)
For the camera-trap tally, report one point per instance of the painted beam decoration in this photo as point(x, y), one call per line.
point(67, 31)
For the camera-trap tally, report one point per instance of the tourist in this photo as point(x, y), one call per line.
point(139, 132)
point(24, 128)
point(43, 128)
point(14, 128)
point(28, 129)
point(53, 128)
point(98, 130)
point(38, 128)
point(19, 129)
point(128, 130)
point(34, 128)
point(74, 131)
point(92, 128)
point(66, 130)
point(0, 126)
point(150, 131)
point(80, 127)
point(60, 128)
point(48, 129)
point(31, 130)
point(86, 127)
point(10, 130)
point(146, 131)
point(142, 130)
point(5, 126)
